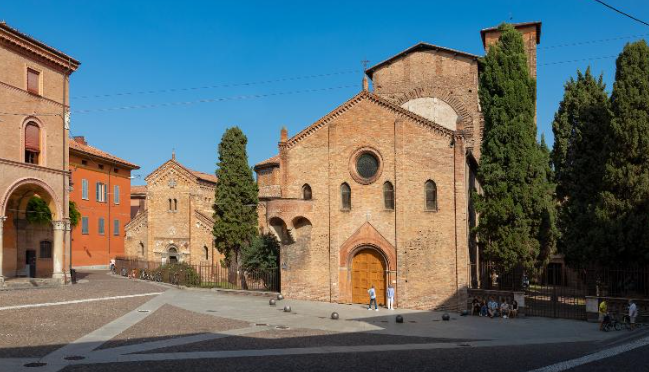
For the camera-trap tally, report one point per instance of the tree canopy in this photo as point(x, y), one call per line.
point(516, 223)
point(236, 198)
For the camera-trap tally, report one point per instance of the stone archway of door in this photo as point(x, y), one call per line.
point(368, 268)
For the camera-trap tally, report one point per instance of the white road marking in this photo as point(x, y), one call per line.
point(77, 301)
point(568, 364)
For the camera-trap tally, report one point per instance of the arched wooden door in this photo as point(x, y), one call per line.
point(368, 268)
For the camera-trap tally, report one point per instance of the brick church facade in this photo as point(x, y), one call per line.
point(377, 192)
point(172, 219)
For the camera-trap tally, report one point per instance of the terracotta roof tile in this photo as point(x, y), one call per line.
point(203, 176)
point(138, 189)
point(89, 150)
point(269, 161)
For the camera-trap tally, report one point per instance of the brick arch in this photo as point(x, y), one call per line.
point(53, 202)
point(368, 237)
point(465, 120)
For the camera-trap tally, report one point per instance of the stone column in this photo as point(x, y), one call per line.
point(68, 249)
point(57, 257)
point(2, 278)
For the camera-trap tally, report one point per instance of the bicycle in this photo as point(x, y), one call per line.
point(612, 323)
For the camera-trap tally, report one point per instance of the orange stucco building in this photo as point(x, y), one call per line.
point(101, 189)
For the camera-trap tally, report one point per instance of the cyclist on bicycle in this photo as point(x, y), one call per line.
point(604, 318)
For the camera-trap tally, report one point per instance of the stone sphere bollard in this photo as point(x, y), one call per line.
point(334, 316)
point(287, 309)
point(271, 302)
point(280, 297)
point(446, 316)
point(399, 319)
point(464, 313)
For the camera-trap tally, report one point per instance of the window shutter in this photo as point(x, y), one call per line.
point(32, 81)
point(84, 189)
point(32, 137)
point(104, 192)
point(116, 195)
point(84, 225)
point(97, 191)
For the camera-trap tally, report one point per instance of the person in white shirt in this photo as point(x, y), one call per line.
point(633, 313)
point(390, 296)
point(504, 309)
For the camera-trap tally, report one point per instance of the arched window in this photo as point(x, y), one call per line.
point(45, 249)
point(346, 196)
point(388, 195)
point(175, 205)
point(170, 205)
point(207, 252)
point(306, 192)
point(32, 143)
point(431, 195)
point(142, 248)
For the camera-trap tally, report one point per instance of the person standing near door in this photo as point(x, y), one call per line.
point(372, 293)
point(390, 295)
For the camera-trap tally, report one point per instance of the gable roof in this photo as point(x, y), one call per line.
point(85, 149)
point(362, 96)
point(268, 162)
point(417, 47)
point(537, 24)
point(190, 172)
point(138, 189)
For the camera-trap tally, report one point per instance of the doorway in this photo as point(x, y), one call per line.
point(368, 268)
point(30, 261)
point(172, 255)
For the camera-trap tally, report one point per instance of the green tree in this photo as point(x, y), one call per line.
point(624, 207)
point(235, 215)
point(262, 254)
point(580, 129)
point(516, 208)
point(38, 212)
point(74, 213)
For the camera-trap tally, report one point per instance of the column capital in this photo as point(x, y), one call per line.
point(58, 225)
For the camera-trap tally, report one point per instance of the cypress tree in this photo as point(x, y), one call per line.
point(516, 210)
point(580, 128)
point(235, 215)
point(624, 207)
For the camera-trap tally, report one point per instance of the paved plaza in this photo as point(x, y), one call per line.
point(107, 322)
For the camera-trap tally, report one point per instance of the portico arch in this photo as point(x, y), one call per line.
point(20, 253)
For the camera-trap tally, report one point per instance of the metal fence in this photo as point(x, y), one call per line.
point(201, 275)
point(559, 290)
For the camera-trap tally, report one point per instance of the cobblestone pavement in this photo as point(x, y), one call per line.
point(170, 329)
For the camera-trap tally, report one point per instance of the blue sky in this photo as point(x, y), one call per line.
point(283, 49)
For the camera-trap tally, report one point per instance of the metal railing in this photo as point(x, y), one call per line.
point(199, 275)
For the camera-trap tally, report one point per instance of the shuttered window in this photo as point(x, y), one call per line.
point(33, 81)
point(100, 192)
point(116, 194)
point(116, 227)
point(84, 189)
point(84, 225)
point(32, 143)
point(101, 226)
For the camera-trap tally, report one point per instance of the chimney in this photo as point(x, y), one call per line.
point(366, 84)
point(80, 139)
point(283, 137)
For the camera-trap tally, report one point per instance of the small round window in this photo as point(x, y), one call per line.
point(367, 165)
